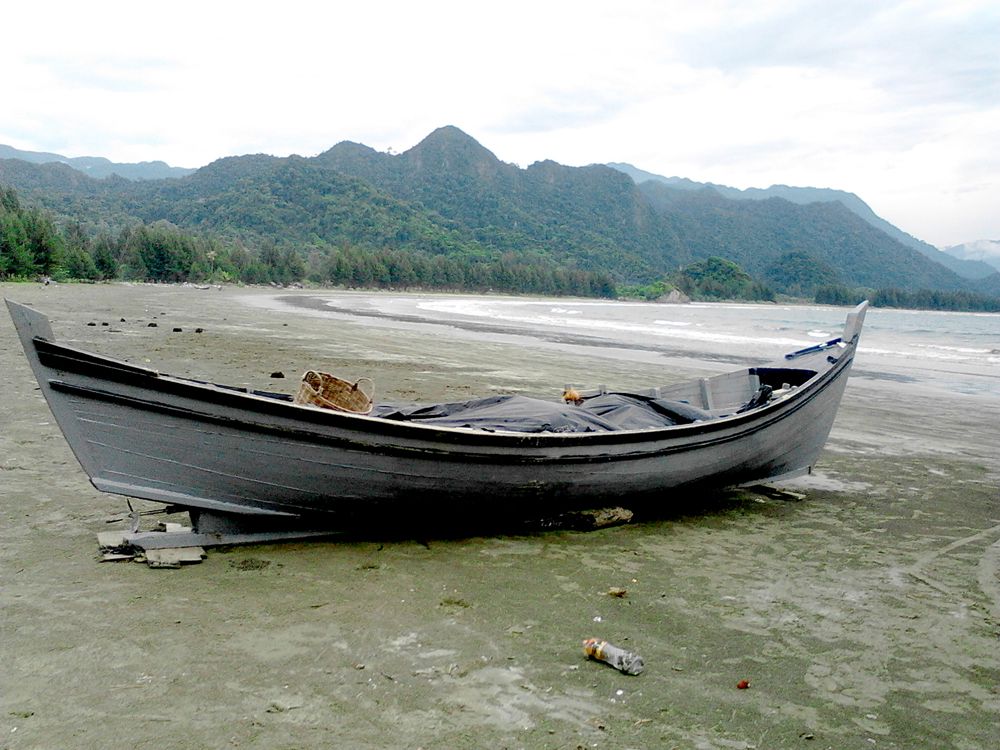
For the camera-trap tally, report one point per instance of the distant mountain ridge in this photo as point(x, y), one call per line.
point(97, 166)
point(979, 251)
point(451, 195)
point(964, 266)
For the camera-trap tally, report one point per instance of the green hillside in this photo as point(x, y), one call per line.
point(450, 198)
point(970, 269)
point(757, 234)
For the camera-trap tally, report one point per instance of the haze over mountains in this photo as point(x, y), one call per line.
point(98, 166)
point(449, 194)
point(981, 251)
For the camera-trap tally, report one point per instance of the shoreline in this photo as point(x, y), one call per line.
point(866, 613)
point(311, 287)
point(315, 303)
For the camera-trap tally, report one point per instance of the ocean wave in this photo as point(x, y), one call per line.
point(507, 311)
point(960, 349)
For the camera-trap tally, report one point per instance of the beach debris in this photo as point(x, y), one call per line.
point(452, 601)
point(114, 548)
point(277, 374)
point(178, 330)
point(586, 520)
point(281, 706)
point(600, 518)
point(151, 325)
point(199, 330)
point(776, 493)
point(118, 556)
point(617, 592)
point(173, 557)
point(250, 563)
point(624, 661)
point(743, 684)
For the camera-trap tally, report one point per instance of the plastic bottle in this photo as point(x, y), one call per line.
point(619, 658)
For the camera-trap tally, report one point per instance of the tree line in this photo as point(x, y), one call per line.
point(720, 279)
point(33, 246)
point(921, 299)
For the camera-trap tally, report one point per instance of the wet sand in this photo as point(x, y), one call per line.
point(865, 615)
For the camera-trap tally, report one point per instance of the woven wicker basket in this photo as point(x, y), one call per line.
point(330, 392)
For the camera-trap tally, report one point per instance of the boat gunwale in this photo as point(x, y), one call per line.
point(101, 367)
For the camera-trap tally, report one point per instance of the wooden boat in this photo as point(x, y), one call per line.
point(252, 465)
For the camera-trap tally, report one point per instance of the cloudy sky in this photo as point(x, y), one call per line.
point(898, 102)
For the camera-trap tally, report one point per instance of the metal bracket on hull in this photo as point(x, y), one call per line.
point(210, 529)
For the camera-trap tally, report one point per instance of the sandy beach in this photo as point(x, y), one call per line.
point(865, 615)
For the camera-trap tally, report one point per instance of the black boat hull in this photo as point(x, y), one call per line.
point(212, 448)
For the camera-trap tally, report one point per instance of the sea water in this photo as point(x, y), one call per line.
point(957, 352)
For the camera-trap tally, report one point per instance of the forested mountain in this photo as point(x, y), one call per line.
point(758, 234)
point(967, 268)
point(449, 196)
point(591, 216)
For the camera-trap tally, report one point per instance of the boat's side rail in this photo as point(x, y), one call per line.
point(814, 349)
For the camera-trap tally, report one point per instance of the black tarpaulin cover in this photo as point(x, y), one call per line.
point(609, 412)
